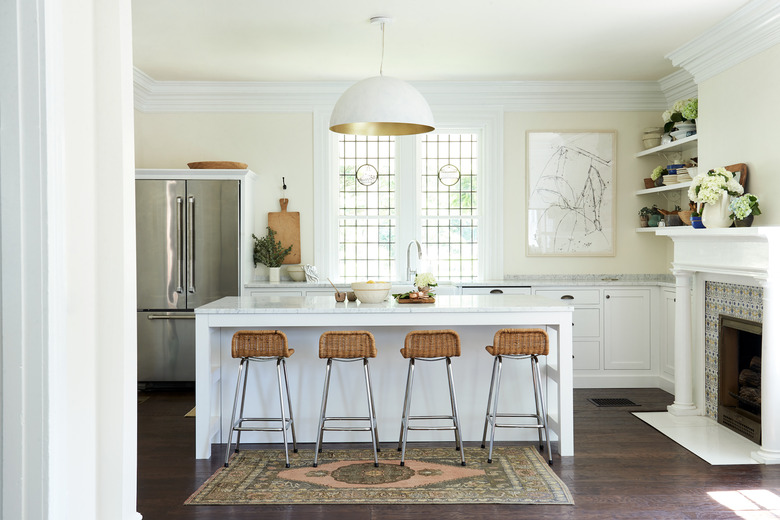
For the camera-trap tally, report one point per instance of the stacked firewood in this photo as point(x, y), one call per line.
point(750, 382)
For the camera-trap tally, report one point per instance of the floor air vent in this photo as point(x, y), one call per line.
point(612, 401)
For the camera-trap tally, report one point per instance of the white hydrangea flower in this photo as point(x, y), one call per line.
point(667, 116)
point(424, 280)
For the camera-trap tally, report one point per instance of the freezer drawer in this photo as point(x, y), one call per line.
point(166, 346)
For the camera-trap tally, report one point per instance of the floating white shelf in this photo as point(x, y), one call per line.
point(674, 146)
point(676, 186)
point(646, 229)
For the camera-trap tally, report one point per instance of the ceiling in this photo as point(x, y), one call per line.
point(429, 40)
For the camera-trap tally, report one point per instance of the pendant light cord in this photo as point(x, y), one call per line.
point(382, 61)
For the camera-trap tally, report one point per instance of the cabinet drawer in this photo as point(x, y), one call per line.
point(496, 290)
point(587, 355)
point(587, 323)
point(574, 296)
point(275, 292)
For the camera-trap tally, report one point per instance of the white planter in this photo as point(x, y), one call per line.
point(273, 274)
point(716, 215)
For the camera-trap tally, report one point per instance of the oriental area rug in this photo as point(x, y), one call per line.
point(517, 475)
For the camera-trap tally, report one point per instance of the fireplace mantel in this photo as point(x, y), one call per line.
point(745, 253)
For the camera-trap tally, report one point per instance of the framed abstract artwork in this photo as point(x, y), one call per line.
point(570, 193)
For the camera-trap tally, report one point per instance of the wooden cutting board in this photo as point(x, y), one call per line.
point(287, 225)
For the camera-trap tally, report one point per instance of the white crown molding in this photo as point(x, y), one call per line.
point(678, 85)
point(525, 96)
point(752, 29)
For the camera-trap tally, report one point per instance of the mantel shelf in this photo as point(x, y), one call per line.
point(674, 146)
point(670, 187)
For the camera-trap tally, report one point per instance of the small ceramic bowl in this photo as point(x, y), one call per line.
point(340, 296)
point(351, 296)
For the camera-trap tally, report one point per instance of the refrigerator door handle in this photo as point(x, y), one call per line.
point(169, 317)
point(191, 244)
point(179, 245)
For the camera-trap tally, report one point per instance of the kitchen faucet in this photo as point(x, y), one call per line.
point(410, 274)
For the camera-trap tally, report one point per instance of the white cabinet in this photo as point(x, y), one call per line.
point(496, 290)
point(627, 341)
point(586, 326)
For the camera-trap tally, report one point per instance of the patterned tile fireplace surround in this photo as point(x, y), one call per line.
point(735, 272)
point(739, 301)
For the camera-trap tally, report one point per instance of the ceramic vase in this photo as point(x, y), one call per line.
point(716, 215)
point(273, 274)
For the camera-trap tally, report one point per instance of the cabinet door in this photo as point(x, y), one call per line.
point(627, 329)
point(667, 332)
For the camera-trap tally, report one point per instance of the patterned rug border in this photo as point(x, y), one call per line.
point(555, 492)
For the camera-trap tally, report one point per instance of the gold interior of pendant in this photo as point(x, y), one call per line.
point(381, 128)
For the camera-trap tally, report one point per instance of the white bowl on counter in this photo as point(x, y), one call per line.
point(296, 273)
point(375, 292)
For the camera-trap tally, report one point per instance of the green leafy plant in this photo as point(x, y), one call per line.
point(269, 251)
point(682, 110)
point(646, 212)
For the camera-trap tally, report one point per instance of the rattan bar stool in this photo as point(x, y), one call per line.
point(258, 346)
point(517, 344)
point(348, 346)
point(430, 345)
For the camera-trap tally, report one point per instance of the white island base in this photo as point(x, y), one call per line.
point(475, 317)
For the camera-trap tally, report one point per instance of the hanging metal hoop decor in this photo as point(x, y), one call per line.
point(367, 174)
point(449, 175)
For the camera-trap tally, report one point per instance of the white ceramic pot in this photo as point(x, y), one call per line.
point(273, 274)
point(716, 215)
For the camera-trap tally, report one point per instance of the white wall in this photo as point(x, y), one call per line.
point(740, 110)
point(276, 145)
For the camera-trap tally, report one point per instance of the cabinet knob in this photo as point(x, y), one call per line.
point(567, 297)
point(496, 291)
point(608, 297)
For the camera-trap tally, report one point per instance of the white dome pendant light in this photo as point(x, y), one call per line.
point(381, 105)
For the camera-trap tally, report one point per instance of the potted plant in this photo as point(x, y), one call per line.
point(683, 110)
point(743, 209)
point(713, 188)
point(649, 216)
point(270, 252)
point(658, 175)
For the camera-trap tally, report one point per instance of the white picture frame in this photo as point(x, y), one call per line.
point(570, 193)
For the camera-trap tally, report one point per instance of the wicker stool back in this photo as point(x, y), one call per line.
point(347, 344)
point(431, 344)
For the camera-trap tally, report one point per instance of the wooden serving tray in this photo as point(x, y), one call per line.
point(416, 300)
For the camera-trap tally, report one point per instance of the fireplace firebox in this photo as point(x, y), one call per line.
point(739, 376)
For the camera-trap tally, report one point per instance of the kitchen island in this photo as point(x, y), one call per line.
point(475, 317)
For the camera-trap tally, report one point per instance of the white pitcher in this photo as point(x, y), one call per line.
point(717, 215)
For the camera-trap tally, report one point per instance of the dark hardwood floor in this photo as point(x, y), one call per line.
point(623, 469)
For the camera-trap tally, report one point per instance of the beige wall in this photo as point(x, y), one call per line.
point(272, 145)
point(740, 110)
point(276, 145)
point(634, 252)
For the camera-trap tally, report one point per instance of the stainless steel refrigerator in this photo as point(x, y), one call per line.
point(187, 247)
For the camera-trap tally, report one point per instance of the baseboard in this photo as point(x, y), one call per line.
point(621, 381)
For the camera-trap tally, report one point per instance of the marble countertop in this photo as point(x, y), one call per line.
point(511, 281)
point(327, 304)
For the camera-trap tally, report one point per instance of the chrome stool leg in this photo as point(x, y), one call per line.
point(373, 408)
point(538, 383)
point(281, 409)
point(407, 409)
point(490, 398)
point(494, 419)
point(371, 417)
point(403, 412)
point(233, 416)
point(318, 446)
point(289, 406)
point(455, 416)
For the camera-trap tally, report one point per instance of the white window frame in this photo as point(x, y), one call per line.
point(488, 122)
